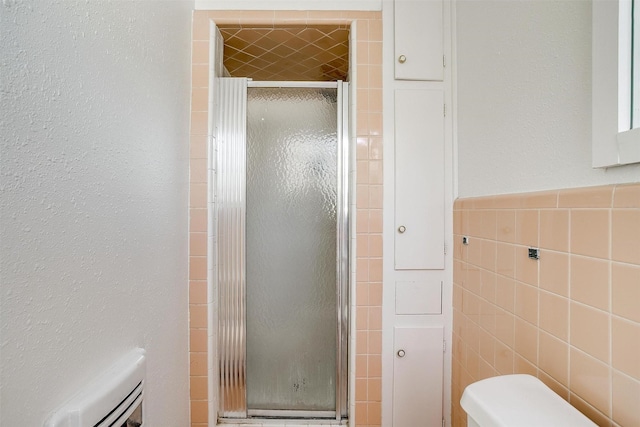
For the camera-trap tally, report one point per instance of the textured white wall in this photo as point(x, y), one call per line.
point(289, 4)
point(524, 98)
point(93, 227)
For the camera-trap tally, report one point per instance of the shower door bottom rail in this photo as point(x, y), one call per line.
point(283, 413)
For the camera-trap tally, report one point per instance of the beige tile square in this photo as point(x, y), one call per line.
point(199, 411)
point(197, 268)
point(198, 170)
point(362, 318)
point(554, 272)
point(625, 236)
point(554, 385)
point(554, 315)
point(198, 363)
point(625, 290)
point(554, 230)
point(591, 197)
point(541, 199)
point(200, 52)
point(506, 259)
point(362, 148)
point(488, 225)
point(472, 363)
point(198, 388)
point(526, 303)
point(475, 222)
point(375, 294)
point(488, 256)
point(554, 358)
point(198, 146)
point(600, 419)
point(199, 99)
point(198, 195)
point(487, 346)
point(200, 75)
point(375, 172)
point(526, 268)
point(523, 366)
point(473, 252)
point(361, 366)
point(375, 245)
point(505, 327)
point(503, 358)
point(362, 172)
point(505, 293)
point(198, 244)
point(198, 316)
point(197, 292)
point(506, 226)
point(375, 366)
point(590, 232)
point(526, 340)
point(199, 123)
point(473, 279)
point(626, 346)
point(198, 219)
point(527, 227)
point(489, 280)
point(374, 390)
point(626, 400)
point(590, 380)
point(375, 342)
point(198, 340)
point(589, 331)
point(375, 148)
point(627, 196)
point(590, 281)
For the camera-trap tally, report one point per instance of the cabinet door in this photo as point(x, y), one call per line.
point(419, 179)
point(419, 39)
point(418, 377)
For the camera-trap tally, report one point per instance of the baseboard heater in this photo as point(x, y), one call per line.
point(113, 399)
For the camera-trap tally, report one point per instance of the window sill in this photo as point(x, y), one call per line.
point(629, 147)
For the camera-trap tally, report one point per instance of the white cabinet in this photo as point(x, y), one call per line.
point(418, 40)
point(419, 179)
point(415, 298)
point(418, 377)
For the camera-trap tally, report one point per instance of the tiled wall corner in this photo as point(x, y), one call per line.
point(368, 201)
point(570, 318)
point(198, 225)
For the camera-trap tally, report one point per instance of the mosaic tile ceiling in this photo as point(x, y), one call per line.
point(287, 53)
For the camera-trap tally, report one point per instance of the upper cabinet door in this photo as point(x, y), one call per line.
point(419, 52)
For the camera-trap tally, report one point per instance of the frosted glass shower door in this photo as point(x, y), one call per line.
point(291, 222)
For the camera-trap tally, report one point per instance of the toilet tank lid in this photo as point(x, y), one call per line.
point(519, 400)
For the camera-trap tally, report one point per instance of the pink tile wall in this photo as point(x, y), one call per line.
point(571, 318)
point(368, 201)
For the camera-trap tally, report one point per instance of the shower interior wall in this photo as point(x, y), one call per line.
point(366, 302)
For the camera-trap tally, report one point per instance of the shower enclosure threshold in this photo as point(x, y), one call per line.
point(264, 422)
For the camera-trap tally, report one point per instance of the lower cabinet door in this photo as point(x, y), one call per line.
point(418, 376)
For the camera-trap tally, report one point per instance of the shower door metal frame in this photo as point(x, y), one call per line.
point(342, 277)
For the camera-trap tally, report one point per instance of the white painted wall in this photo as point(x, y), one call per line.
point(524, 98)
point(289, 4)
point(93, 228)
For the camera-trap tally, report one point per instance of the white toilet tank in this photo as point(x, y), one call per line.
point(518, 401)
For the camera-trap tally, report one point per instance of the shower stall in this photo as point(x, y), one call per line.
point(280, 248)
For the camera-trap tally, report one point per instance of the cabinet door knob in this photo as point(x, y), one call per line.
point(401, 353)
point(402, 59)
point(402, 229)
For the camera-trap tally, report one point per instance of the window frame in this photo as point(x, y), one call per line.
point(614, 143)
